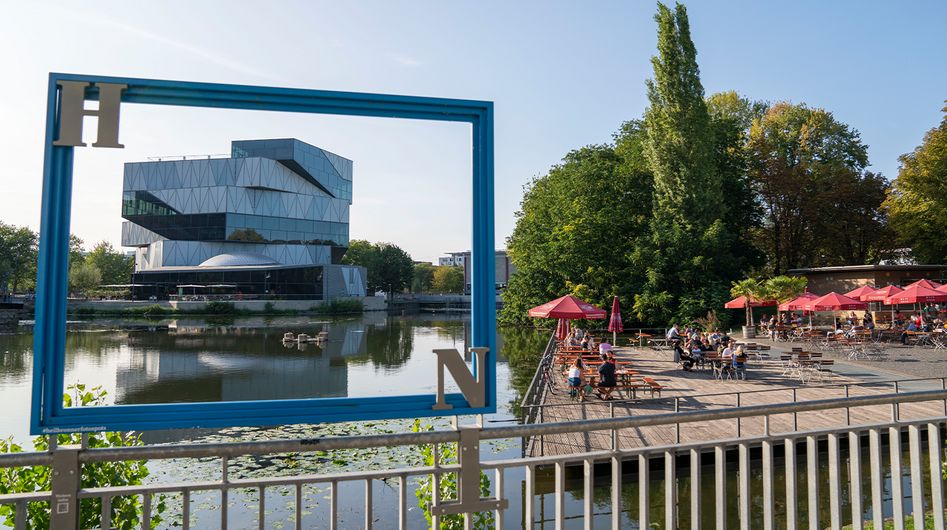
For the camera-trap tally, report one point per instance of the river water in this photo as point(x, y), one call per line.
point(191, 359)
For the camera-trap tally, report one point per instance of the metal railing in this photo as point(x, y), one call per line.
point(66, 465)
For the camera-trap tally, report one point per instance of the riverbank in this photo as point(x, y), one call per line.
point(338, 306)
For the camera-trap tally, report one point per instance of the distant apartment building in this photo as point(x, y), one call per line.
point(503, 267)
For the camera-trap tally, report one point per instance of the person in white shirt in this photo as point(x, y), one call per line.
point(673, 333)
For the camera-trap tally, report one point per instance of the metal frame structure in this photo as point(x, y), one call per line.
point(67, 461)
point(48, 413)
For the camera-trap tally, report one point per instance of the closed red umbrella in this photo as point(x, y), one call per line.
point(568, 307)
point(562, 329)
point(834, 302)
point(863, 290)
point(614, 324)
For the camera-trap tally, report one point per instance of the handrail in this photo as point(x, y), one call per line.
point(489, 433)
point(859, 384)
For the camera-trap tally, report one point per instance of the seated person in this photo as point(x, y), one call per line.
point(576, 378)
point(904, 334)
point(584, 342)
point(606, 378)
point(739, 362)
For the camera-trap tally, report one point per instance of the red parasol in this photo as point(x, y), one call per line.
point(834, 302)
point(797, 304)
point(880, 295)
point(563, 329)
point(861, 291)
point(942, 289)
point(568, 307)
point(924, 283)
point(614, 323)
point(740, 303)
point(916, 294)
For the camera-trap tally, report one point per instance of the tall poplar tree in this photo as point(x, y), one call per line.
point(690, 263)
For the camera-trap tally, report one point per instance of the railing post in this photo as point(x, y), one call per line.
point(795, 418)
point(812, 470)
point(64, 506)
point(677, 426)
point(738, 419)
point(848, 411)
point(542, 438)
point(644, 497)
point(791, 483)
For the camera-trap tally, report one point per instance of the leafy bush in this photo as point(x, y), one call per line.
point(219, 308)
point(269, 307)
point(447, 486)
point(339, 306)
point(126, 511)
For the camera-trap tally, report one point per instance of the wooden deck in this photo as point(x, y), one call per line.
point(694, 391)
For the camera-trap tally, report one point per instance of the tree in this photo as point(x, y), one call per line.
point(784, 288)
point(917, 199)
point(448, 280)
point(820, 207)
point(423, 277)
point(389, 268)
point(751, 289)
point(692, 255)
point(76, 254)
point(115, 267)
point(579, 225)
point(83, 277)
point(18, 248)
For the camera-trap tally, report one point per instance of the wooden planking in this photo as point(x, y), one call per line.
point(692, 388)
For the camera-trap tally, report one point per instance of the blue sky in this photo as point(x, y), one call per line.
point(561, 74)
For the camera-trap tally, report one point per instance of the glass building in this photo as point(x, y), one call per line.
point(273, 218)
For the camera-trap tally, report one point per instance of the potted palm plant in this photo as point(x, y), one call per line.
point(751, 289)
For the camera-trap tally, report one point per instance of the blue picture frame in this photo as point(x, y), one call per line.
point(48, 413)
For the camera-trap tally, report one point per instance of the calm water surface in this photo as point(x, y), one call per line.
point(186, 360)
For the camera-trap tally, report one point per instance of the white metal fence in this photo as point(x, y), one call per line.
point(844, 487)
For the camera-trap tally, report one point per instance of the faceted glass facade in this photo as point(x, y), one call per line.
point(282, 198)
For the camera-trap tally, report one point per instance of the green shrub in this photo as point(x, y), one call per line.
point(126, 511)
point(269, 307)
point(219, 308)
point(339, 306)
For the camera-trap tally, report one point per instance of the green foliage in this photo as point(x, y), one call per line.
point(578, 225)
point(84, 277)
point(820, 206)
point(219, 308)
point(447, 487)
point(752, 289)
point(422, 278)
point(693, 253)
point(115, 267)
point(126, 511)
point(784, 288)
point(339, 306)
point(18, 248)
point(389, 268)
point(448, 280)
point(917, 200)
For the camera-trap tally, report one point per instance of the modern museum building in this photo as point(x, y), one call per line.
point(272, 220)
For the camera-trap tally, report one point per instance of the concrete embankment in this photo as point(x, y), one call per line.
point(369, 303)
